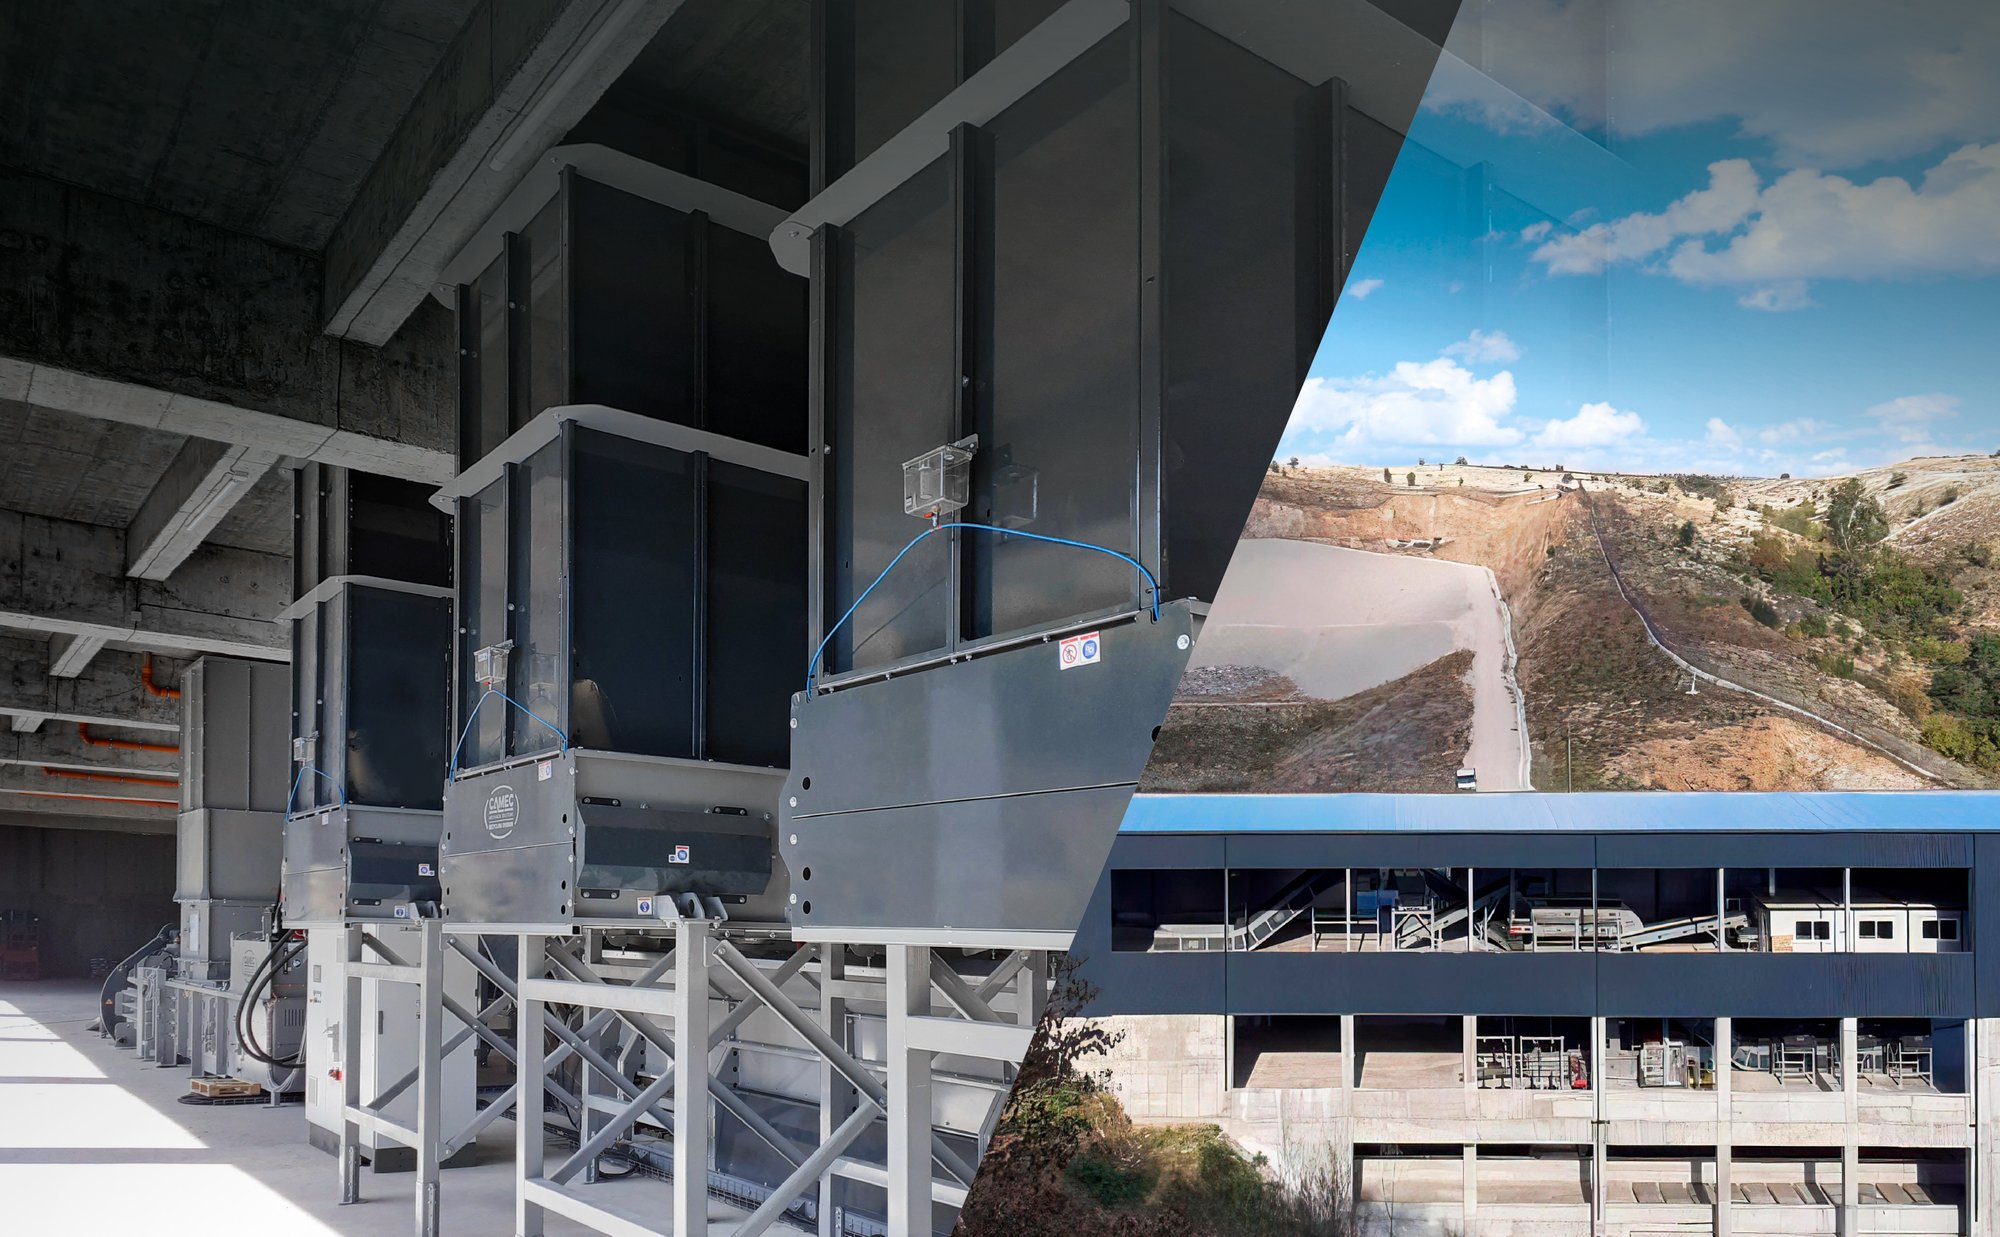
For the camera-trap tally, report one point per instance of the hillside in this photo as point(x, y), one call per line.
point(1862, 657)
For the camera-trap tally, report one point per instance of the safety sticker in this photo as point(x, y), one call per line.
point(645, 906)
point(545, 770)
point(680, 855)
point(426, 869)
point(402, 912)
point(1083, 650)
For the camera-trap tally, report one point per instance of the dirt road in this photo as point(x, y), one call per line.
point(1337, 621)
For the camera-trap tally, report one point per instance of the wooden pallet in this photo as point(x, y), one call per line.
point(225, 1088)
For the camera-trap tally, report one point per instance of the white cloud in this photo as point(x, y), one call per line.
point(1828, 83)
point(1778, 298)
point(1912, 419)
point(1430, 403)
point(1593, 426)
point(1721, 208)
point(1799, 429)
point(1494, 347)
point(1804, 226)
point(1722, 434)
point(1360, 288)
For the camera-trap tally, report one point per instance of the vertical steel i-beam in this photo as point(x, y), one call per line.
point(529, 1067)
point(350, 1065)
point(836, 1094)
point(430, 1070)
point(691, 1077)
point(909, 993)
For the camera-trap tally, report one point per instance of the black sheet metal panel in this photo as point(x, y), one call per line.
point(1984, 903)
point(893, 399)
point(1404, 850)
point(538, 603)
point(1056, 390)
point(754, 336)
point(1833, 849)
point(306, 637)
point(1244, 222)
point(540, 348)
point(888, 62)
point(485, 418)
point(1760, 985)
point(658, 850)
point(755, 626)
point(634, 312)
point(636, 602)
point(330, 726)
point(393, 531)
point(1009, 865)
point(483, 621)
point(1407, 983)
point(983, 798)
point(1190, 850)
point(397, 681)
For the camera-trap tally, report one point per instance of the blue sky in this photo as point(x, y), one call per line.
point(1764, 239)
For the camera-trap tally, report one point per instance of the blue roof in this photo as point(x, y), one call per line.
point(1594, 812)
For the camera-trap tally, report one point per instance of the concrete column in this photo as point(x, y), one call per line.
point(1344, 1147)
point(1471, 1170)
point(1850, 1148)
point(1983, 1092)
point(1469, 1052)
point(909, 993)
point(836, 1094)
point(529, 1138)
point(692, 956)
point(1597, 1156)
point(1725, 1137)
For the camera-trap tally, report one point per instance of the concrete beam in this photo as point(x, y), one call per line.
point(205, 481)
point(64, 578)
point(80, 814)
point(28, 723)
point(60, 746)
point(114, 310)
point(519, 76)
point(75, 656)
point(108, 694)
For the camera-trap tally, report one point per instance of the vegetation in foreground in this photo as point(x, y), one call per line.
point(1067, 1162)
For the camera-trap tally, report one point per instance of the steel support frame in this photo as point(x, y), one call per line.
point(432, 1144)
point(683, 1023)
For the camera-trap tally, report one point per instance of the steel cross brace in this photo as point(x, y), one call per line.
point(650, 1031)
point(857, 1075)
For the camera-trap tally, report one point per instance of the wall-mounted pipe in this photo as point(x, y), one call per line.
point(146, 677)
point(64, 794)
point(129, 745)
point(127, 778)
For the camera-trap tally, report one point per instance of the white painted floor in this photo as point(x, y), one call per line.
point(94, 1141)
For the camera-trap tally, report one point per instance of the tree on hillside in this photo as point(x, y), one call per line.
point(1854, 519)
point(1686, 534)
point(1413, 480)
point(1386, 479)
point(1460, 461)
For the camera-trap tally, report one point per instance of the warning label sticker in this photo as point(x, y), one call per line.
point(426, 869)
point(680, 855)
point(645, 906)
point(1083, 650)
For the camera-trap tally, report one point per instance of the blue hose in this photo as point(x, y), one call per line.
point(473, 716)
point(812, 667)
point(330, 780)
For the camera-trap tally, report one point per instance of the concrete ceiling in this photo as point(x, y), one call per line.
point(747, 62)
point(259, 116)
